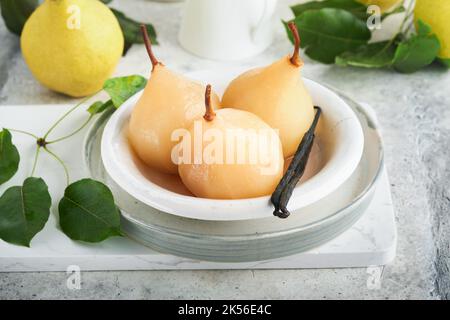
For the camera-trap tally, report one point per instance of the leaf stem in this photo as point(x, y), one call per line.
point(66, 171)
point(23, 132)
point(73, 133)
point(66, 114)
point(400, 29)
point(407, 16)
point(36, 156)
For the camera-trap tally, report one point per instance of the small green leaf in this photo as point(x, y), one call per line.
point(16, 12)
point(373, 55)
point(95, 107)
point(418, 51)
point(24, 211)
point(132, 30)
point(423, 28)
point(9, 157)
point(326, 33)
point(123, 88)
point(100, 106)
point(359, 10)
point(87, 212)
point(106, 1)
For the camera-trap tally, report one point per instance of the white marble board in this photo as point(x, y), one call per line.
point(370, 242)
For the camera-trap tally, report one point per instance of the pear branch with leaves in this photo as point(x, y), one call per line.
point(25, 209)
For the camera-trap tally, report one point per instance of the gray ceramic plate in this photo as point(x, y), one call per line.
point(248, 240)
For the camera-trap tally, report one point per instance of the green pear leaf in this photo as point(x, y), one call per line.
point(24, 211)
point(373, 55)
point(132, 30)
point(327, 33)
point(418, 51)
point(95, 108)
point(87, 212)
point(9, 157)
point(357, 9)
point(122, 88)
point(16, 12)
point(100, 106)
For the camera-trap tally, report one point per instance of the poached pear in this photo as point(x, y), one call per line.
point(225, 176)
point(169, 102)
point(277, 95)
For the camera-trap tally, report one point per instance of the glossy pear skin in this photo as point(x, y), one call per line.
point(169, 102)
point(277, 95)
point(74, 60)
point(235, 180)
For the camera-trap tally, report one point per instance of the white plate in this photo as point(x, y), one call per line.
point(340, 144)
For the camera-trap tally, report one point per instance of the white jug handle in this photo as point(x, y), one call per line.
point(269, 9)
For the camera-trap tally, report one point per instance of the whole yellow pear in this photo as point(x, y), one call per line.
point(72, 46)
point(436, 13)
point(385, 5)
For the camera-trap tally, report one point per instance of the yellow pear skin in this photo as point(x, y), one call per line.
point(72, 46)
point(277, 95)
point(235, 180)
point(436, 13)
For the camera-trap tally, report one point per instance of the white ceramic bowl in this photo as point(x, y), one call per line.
point(338, 150)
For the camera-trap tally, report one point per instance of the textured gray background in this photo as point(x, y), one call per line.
point(414, 112)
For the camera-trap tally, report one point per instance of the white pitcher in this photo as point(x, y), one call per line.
point(227, 29)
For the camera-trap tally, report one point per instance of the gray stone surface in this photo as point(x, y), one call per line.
point(414, 112)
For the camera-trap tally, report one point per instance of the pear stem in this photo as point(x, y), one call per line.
point(209, 114)
point(295, 59)
point(148, 46)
